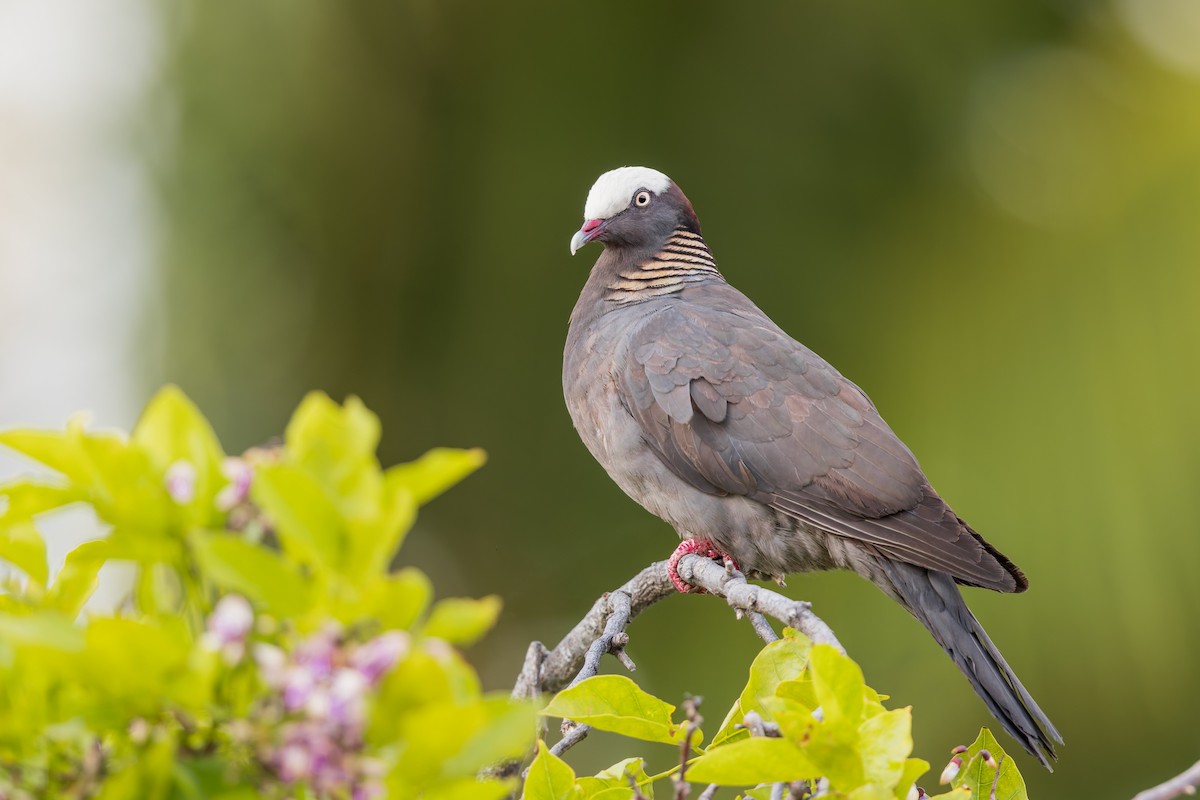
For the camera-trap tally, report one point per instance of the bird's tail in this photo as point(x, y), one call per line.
point(934, 599)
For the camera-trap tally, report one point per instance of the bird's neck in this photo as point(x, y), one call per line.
point(682, 260)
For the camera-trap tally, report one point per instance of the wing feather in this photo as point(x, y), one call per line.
point(733, 405)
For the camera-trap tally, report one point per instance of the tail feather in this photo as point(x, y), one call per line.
point(934, 599)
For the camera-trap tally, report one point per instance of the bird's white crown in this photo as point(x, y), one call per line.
point(613, 191)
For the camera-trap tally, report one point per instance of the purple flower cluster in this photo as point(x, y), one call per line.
point(318, 698)
point(322, 687)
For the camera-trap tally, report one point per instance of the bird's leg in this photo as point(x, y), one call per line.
point(701, 547)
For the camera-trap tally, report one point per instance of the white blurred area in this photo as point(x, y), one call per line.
point(77, 224)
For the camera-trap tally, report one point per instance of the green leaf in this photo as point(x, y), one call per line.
point(781, 660)
point(506, 734)
point(77, 580)
point(27, 499)
point(751, 761)
point(57, 450)
point(336, 445)
point(375, 541)
point(307, 521)
point(885, 742)
point(549, 777)
point(261, 574)
point(914, 768)
point(434, 472)
point(614, 783)
point(839, 686)
point(401, 598)
point(139, 664)
point(977, 776)
point(615, 703)
point(41, 629)
point(462, 620)
point(172, 429)
point(469, 789)
point(21, 545)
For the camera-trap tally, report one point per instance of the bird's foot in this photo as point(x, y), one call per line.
point(701, 547)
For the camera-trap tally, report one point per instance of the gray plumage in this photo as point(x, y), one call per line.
point(711, 417)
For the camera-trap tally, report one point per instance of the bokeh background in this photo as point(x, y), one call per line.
point(987, 215)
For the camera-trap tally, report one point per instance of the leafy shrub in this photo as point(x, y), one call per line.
point(267, 649)
point(806, 719)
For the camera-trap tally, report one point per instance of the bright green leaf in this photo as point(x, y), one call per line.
point(435, 472)
point(21, 545)
point(914, 768)
point(549, 777)
point(507, 733)
point(614, 783)
point(374, 541)
point(839, 686)
point(401, 598)
point(57, 450)
point(237, 565)
point(77, 579)
point(781, 660)
point(885, 742)
point(41, 629)
point(751, 761)
point(307, 521)
point(977, 776)
point(336, 445)
point(615, 703)
point(27, 499)
point(462, 620)
point(471, 788)
point(171, 429)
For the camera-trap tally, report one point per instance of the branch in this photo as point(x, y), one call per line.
point(1184, 783)
point(746, 597)
point(552, 671)
point(602, 629)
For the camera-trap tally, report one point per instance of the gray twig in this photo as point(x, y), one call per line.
point(571, 737)
point(762, 627)
point(562, 664)
point(743, 596)
point(691, 713)
point(708, 792)
point(1184, 783)
point(552, 671)
point(612, 640)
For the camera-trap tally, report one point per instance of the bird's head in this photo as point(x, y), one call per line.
point(633, 207)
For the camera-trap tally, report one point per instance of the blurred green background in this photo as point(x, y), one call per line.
point(986, 215)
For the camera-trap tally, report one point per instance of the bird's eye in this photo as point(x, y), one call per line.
point(642, 198)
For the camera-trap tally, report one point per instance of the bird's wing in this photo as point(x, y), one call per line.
point(733, 405)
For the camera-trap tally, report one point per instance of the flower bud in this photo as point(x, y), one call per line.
point(180, 481)
point(951, 770)
point(231, 619)
point(240, 475)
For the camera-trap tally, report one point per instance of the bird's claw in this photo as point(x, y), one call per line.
point(701, 547)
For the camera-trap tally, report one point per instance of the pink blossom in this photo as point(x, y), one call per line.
point(240, 475)
point(374, 658)
point(271, 662)
point(181, 482)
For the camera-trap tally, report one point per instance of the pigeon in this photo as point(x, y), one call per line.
point(753, 447)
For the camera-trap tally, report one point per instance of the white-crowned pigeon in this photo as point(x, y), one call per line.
point(749, 444)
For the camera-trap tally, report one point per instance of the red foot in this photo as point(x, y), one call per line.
point(701, 547)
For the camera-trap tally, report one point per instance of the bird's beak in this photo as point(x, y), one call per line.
point(590, 230)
